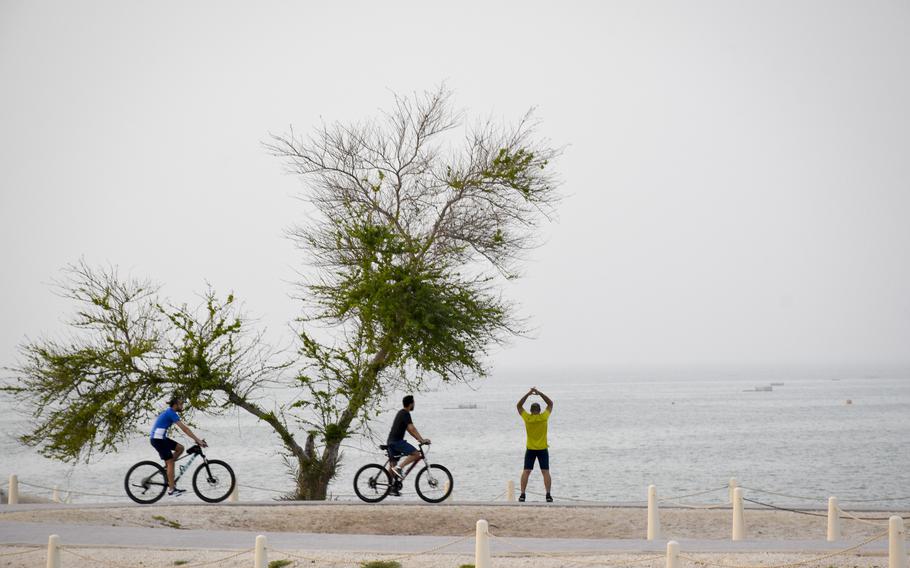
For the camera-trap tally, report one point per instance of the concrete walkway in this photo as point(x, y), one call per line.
point(159, 538)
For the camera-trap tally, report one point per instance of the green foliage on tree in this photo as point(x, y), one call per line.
point(414, 222)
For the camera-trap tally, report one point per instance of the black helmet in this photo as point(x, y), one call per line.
point(175, 399)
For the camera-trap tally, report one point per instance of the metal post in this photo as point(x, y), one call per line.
point(733, 485)
point(510, 491)
point(482, 545)
point(653, 514)
point(672, 554)
point(13, 497)
point(897, 552)
point(260, 556)
point(739, 525)
point(53, 551)
point(833, 520)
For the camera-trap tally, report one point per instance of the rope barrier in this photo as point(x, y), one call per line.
point(315, 559)
point(789, 564)
point(69, 550)
point(518, 548)
point(69, 491)
point(770, 506)
point(263, 488)
point(864, 520)
point(698, 494)
point(21, 552)
point(571, 499)
point(825, 499)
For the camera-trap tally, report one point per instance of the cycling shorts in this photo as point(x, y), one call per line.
point(165, 447)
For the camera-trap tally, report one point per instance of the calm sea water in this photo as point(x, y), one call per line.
point(609, 439)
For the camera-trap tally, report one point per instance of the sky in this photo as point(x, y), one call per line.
point(735, 173)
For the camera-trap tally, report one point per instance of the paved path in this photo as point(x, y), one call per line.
point(139, 537)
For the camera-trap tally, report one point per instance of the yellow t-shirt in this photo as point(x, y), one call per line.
point(536, 426)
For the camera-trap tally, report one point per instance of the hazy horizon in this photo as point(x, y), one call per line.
point(736, 177)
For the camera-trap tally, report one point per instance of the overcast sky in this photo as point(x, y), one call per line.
point(737, 175)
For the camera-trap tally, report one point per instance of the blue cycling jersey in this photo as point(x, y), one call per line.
point(162, 423)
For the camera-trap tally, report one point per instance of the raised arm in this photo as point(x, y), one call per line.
point(546, 399)
point(521, 403)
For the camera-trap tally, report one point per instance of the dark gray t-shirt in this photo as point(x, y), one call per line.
point(400, 426)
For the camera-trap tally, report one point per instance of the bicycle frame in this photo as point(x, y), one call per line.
point(423, 458)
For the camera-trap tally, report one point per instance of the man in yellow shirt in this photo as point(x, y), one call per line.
point(536, 427)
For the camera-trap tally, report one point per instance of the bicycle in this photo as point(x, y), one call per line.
point(146, 481)
point(374, 482)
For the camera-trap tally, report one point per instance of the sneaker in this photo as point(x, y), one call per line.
point(175, 492)
point(521, 498)
point(549, 499)
point(394, 492)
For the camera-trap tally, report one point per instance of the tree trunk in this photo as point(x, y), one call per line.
point(314, 473)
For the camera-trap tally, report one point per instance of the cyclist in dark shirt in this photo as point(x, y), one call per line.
point(396, 442)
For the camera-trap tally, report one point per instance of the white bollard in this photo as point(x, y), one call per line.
point(53, 551)
point(510, 491)
point(235, 494)
point(482, 545)
point(260, 556)
point(833, 520)
point(739, 525)
point(897, 552)
point(653, 514)
point(672, 554)
point(56, 495)
point(733, 485)
point(12, 498)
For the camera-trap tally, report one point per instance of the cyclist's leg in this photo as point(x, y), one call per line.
point(411, 458)
point(405, 449)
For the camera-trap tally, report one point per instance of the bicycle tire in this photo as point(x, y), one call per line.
point(380, 483)
point(144, 483)
point(444, 478)
point(218, 497)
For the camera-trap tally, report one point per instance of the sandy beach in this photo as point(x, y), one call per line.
point(527, 520)
point(446, 520)
point(299, 559)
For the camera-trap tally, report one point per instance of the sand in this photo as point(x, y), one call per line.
point(456, 520)
point(446, 520)
point(114, 558)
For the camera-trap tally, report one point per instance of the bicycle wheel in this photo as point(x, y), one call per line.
point(213, 481)
point(434, 483)
point(145, 482)
point(372, 483)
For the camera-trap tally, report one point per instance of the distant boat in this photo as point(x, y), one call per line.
point(464, 406)
point(777, 384)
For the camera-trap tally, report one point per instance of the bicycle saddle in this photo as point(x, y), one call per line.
point(383, 447)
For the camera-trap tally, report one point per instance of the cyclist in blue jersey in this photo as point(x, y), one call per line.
point(169, 449)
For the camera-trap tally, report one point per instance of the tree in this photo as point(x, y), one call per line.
point(412, 229)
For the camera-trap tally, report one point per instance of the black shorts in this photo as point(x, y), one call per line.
point(542, 456)
point(165, 447)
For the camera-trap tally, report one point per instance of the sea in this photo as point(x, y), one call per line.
point(793, 443)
